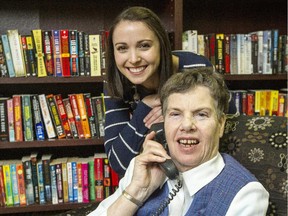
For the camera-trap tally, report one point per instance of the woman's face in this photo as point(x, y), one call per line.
point(137, 53)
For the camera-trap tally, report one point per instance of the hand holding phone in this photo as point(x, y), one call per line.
point(168, 166)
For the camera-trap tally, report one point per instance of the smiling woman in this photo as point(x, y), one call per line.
point(139, 62)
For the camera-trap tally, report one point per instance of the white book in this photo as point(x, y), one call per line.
point(46, 116)
point(95, 54)
point(16, 53)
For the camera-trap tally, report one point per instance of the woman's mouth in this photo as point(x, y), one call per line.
point(188, 142)
point(137, 69)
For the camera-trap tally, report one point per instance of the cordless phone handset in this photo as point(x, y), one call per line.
point(168, 166)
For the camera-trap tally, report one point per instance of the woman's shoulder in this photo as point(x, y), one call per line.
point(189, 59)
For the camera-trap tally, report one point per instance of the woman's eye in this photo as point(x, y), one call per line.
point(121, 48)
point(201, 115)
point(144, 46)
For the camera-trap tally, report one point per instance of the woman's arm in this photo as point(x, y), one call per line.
point(123, 135)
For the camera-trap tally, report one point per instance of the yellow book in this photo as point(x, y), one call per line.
point(7, 184)
point(37, 35)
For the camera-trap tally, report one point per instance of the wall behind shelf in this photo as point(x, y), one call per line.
point(226, 16)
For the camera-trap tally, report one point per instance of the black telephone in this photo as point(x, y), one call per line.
point(168, 166)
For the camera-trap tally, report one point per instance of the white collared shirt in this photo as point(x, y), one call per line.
point(198, 177)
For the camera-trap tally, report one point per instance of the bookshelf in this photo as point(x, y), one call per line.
point(90, 17)
point(226, 16)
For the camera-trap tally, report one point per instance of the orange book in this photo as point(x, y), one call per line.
point(77, 118)
point(99, 177)
point(18, 118)
point(21, 183)
point(83, 115)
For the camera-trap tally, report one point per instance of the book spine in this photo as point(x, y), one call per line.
point(59, 182)
point(33, 159)
point(70, 116)
point(260, 51)
point(65, 54)
point(233, 54)
point(91, 181)
point(53, 184)
point(85, 181)
point(47, 178)
point(107, 179)
point(37, 118)
point(219, 59)
point(25, 55)
point(81, 55)
point(8, 185)
point(70, 182)
point(3, 66)
point(37, 35)
point(74, 61)
point(18, 118)
point(281, 104)
point(91, 115)
point(99, 178)
point(55, 116)
point(4, 131)
point(14, 183)
point(254, 53)
point(8, 55)
point(30, 199)
point(31, 57)
point(274, 51)
point(57, 53)
point(48, 52)
point(74, 181)
point(63, 115)
point(95, 55)
point(100, 115)
point(16, 51)
point(21, 183)
point(76, 115)
point(65, 182)
point(2, 188)
point(80, 182)
point(83, 115)
point(27, 118)
point(227, 54)
point(41, 183)
point(46, 116)
point(10, 114)
point(87, 55)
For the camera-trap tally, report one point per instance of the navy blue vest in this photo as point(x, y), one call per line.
point(212, 200)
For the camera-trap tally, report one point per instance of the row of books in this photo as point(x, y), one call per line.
point(264, 102)
point(41, 179)
point(29, 117)
point(61, 53)
point(263, 52)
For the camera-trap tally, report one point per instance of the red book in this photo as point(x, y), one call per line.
point(99, 177)
point(250, 104)
point(18, 118)
point(63, 115)
point(227, 54)
point(2, 188)
point(65, 54)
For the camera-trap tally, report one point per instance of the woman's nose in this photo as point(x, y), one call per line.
point(188, 124)
point(134, 57)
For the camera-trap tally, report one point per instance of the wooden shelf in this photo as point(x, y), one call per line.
point(42, 208)
point(250, 77)
point(52, 143)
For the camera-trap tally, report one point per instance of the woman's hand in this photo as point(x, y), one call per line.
point(147, 175)
point(155, 115)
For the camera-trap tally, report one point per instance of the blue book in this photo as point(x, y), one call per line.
point(41, 182)
point(8, 55)
point(14, 181)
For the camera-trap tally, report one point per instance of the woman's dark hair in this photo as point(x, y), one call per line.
point(118, 84)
